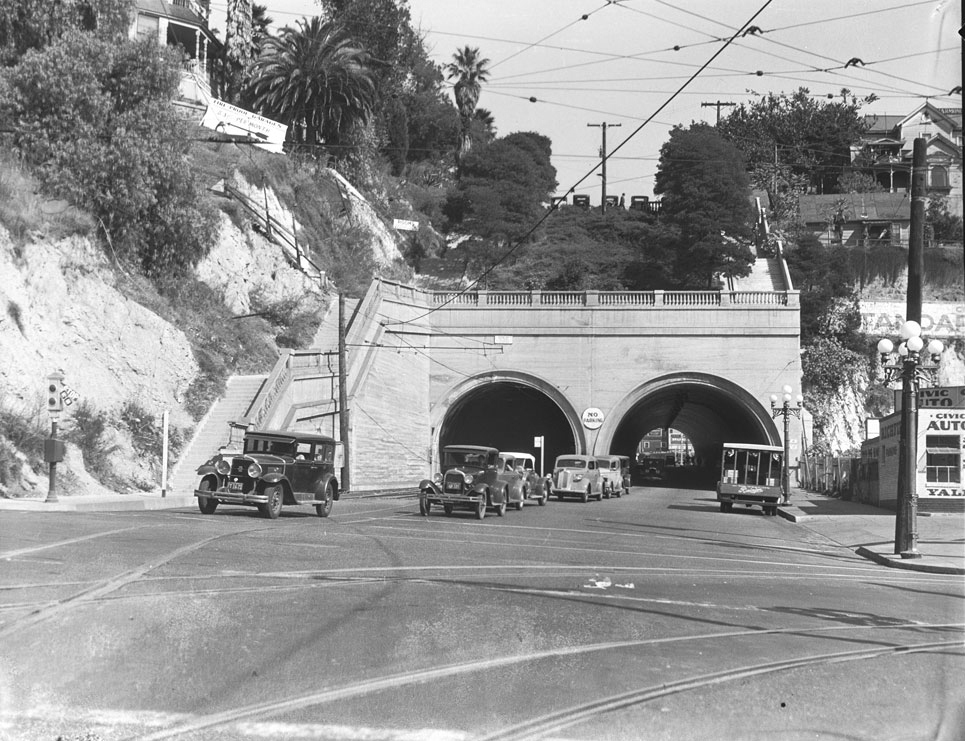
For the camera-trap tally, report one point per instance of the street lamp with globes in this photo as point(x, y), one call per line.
point(787, 411)
point(913, 367)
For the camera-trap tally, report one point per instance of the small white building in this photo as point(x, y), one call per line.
point(939, 472)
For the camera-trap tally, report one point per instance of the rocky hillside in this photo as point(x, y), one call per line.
point(68, 307)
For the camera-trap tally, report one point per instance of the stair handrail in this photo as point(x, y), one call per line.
point(276, 232)
point(271, 390)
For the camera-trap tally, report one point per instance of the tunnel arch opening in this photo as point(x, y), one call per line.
point(708, 410)
point(507, 412)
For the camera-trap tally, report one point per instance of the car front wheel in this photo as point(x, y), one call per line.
point(207, 505)
point(324, 508)
point(276, 495)
point(481, 510)
point(424, 504)
point(586, 495)
point(523, 497)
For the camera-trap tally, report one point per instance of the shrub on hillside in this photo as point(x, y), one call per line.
point(90, 432)
point(147, 433)
point(26, 214)
point(94, 118)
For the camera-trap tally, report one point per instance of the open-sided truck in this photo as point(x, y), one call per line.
point(750, 475)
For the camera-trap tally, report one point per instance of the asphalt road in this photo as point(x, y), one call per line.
point(653, 616)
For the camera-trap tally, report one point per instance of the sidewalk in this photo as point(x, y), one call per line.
point(870, 531)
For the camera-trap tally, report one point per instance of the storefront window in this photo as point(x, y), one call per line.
point(943, 459)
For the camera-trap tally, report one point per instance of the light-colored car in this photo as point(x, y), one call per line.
point(611, 469)
point(577, 475)
point(534, 486)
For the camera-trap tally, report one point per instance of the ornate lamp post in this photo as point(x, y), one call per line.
point(787, 411)
point(912, 368)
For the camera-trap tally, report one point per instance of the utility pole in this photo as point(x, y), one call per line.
point(344, 428)
point(603, 126)
point(906, 525)
point(718, 105)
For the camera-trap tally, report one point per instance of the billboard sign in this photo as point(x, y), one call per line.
point(228, 119)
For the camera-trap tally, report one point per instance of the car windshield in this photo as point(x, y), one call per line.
point(268, 445)
point(570, 463)
point(464, 459)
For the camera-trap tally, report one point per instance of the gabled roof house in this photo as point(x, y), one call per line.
point(887, 147)
point(183, 23)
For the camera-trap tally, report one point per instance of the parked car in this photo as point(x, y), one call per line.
point(473, 477)
point(577, 475)
point(534, 486)
point(611, 469)
point(275, 468)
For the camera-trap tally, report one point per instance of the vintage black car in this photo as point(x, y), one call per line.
point(275, 468)
point(473, 477)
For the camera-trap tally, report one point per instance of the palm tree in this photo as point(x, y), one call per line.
point(483, 118)
point(469, 71)
point(316, 79)
point(260, 24)
point(238, 47)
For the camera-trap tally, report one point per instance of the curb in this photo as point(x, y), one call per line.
point(134, 502)
point(897, 562)
point(792, 513)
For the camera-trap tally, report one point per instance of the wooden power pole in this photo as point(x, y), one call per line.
point(603, 126)
point(344, 427)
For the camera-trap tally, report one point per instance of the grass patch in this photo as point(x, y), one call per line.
point(28, 215)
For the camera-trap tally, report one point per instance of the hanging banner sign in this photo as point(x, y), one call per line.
point(228, 119)
point(404, 225)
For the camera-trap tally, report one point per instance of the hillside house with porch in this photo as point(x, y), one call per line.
point(184, 24)
point(885, 151)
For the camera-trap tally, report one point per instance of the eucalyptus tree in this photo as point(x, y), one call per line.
point(316, 79)
point(469, 69)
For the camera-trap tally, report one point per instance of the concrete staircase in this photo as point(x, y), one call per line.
point(765, 276)
point(212, 431)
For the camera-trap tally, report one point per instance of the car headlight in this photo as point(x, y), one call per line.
point(223, 467)
point(254, 470)
point(578, 477)
point(468, 479)
point(437, 478)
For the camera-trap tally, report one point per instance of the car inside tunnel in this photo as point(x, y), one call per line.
point(508, 416)
point(708, 416)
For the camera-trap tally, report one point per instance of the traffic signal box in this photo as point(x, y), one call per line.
point(55, 388)
point(54, 450)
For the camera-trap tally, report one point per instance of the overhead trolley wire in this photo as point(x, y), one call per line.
point(519, 242)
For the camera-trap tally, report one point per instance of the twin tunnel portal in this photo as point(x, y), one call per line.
point(588, 372)
point(513, 413)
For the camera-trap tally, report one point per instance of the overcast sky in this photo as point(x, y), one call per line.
point(629, 62)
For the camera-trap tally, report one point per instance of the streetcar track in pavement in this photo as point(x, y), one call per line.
point(539, 727)
point(101, 588)
point(835, 551)
point(547, 723)
point(20, 552)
